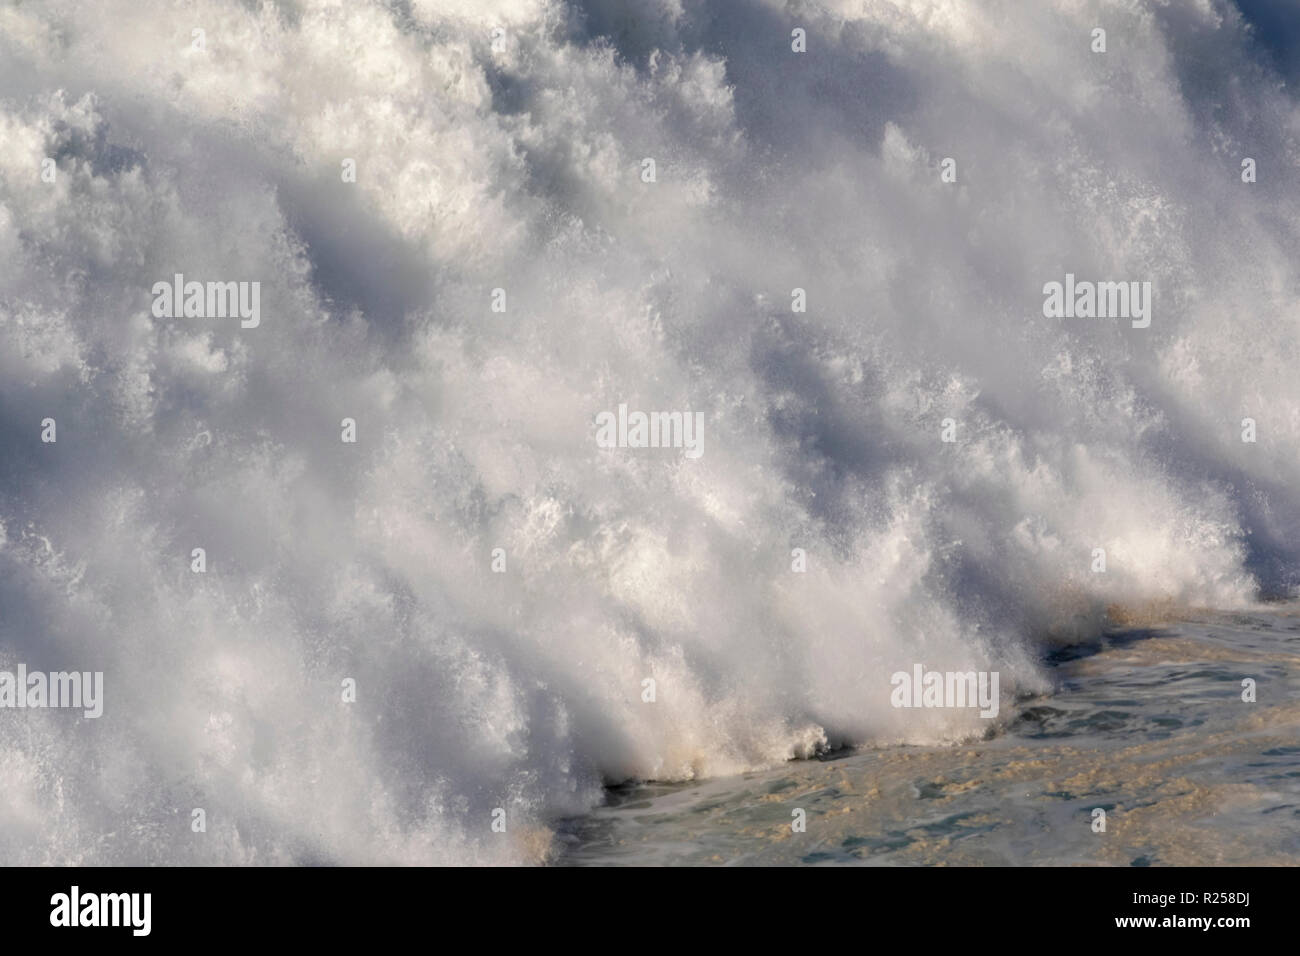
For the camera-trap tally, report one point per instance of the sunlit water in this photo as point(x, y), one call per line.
point(1148, 725)
point(495, 584)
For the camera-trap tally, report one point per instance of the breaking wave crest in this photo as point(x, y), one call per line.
point(520, 168)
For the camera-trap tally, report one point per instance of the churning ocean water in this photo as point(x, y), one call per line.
point(481, 230)
point(1147, 725)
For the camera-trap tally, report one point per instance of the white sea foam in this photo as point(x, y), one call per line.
point(519, 169)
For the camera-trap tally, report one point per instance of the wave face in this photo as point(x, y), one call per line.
point(520, 168)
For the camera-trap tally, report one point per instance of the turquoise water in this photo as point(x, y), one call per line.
point(1148, 724)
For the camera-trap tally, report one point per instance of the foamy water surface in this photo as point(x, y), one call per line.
point(520, 169)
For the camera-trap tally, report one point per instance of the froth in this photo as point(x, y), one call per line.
point(525, 689)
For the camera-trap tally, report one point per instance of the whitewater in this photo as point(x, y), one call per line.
point(496, 583)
